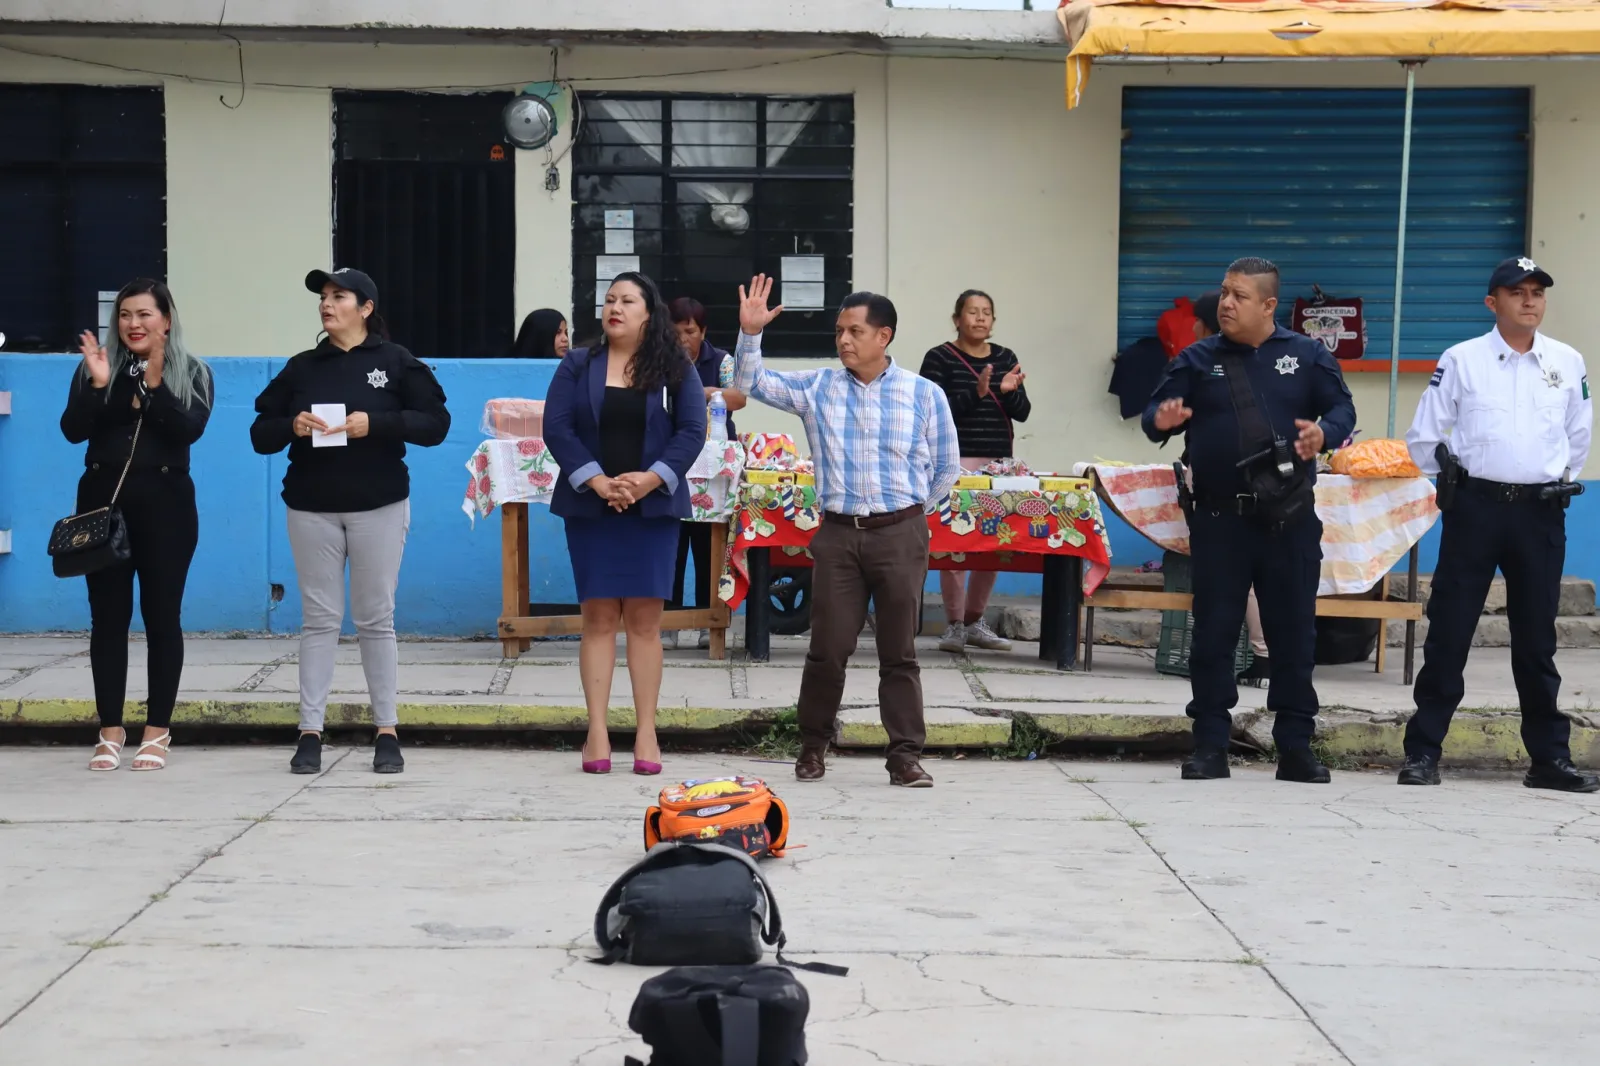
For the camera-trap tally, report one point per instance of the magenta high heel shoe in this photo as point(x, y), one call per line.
point(595, 766)
point(645, 768)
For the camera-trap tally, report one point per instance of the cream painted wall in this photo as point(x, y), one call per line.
point(968, 173)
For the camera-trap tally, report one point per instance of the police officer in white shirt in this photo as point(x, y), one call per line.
point(1512, 407)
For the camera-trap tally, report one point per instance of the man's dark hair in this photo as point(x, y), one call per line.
point(880, 310)
point(1205, 309)
point(1252, 267)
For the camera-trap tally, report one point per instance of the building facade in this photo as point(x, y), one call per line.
point(848, 143)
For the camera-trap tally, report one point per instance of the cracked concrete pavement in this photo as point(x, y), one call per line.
point(1019, 912)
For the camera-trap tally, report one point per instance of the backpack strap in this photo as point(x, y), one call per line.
point(741, 1030)
point(613, 949)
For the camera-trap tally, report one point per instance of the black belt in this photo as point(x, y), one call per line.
point(873, 521)
point(1502, 492)
point(1242, 504)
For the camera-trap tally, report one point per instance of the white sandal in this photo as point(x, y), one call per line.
point(161, 745)
point(109, 759)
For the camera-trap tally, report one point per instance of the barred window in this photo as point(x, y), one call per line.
point(702, 192)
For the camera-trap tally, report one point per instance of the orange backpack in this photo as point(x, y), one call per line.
point(738, 812)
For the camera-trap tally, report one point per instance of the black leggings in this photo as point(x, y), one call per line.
point(696, 537)
point(163, 528)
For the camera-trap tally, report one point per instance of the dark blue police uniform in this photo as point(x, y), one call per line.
point(1294, 377)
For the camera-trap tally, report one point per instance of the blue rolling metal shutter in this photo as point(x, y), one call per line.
point(1310, 178)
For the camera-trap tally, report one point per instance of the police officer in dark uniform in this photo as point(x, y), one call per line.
point(1255, 404)
point(1505, 422)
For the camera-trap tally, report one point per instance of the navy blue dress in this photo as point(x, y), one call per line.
point(622, 556)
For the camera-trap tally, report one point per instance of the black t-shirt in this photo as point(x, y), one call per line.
point(403, 404)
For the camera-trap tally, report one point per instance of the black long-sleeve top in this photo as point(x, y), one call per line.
point(106, 417)
point(401, 398)
point(1293, 377)
point(983, 423)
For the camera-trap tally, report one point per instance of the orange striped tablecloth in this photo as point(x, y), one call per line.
point(1368, 524)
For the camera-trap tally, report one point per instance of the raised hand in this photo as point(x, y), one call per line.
point(1012, 379)
point(754, 315)
point(983, 380)
point(95, 358)
point(1172, 414)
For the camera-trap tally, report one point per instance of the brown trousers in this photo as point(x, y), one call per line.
point(888, 564)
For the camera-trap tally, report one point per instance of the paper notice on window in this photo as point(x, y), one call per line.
point(619, 242)
point(801, 295)
point(332, 414)
point(619, 219)
point(607, 267)
point(803, 268)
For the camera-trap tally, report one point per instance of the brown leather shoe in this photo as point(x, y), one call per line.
point(910, 774)
point(809, 766)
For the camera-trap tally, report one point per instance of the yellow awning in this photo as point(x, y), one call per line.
point(1324, 29)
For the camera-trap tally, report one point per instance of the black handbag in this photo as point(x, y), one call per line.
point(94, 540)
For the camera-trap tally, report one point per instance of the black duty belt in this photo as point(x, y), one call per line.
point(1243, 504)
point(873, 521)
point(1502, 492)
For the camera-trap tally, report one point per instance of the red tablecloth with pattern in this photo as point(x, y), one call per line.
point(973, 529)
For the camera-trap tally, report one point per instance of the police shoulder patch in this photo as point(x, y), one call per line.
point(1438, 376)
point(1586, 387)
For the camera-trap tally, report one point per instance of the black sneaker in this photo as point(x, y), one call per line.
point(1562, 776)
point(307, 755)
point(1419, 770)
point(1206, 764)
point(386, 757)
point(1299, 765)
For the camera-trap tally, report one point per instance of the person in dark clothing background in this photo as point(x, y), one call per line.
point(984, 383)
point(715, 370)
point(349, 498)
point(543, 336)
point(1300, 394)
point(140, 402)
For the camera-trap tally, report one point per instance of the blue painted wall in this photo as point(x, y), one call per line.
point(450, 584)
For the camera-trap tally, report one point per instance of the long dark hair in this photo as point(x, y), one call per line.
point(537, 337)
point(659, 361)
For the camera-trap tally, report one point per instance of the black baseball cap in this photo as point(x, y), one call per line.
point(1515, 271)
point(345, 278)
point(1205, 309)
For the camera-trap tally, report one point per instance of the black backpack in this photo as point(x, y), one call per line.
point(722, 1016)
point(691, 905)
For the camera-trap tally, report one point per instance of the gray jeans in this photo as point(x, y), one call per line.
point(372, 542)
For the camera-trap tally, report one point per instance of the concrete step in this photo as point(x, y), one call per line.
point(1577, 595)
point(1142, 629)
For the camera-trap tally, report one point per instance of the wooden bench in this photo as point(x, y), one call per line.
point(519, 625)
point(1374, 603)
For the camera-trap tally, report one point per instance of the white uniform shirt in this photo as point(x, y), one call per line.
point(1517, 419)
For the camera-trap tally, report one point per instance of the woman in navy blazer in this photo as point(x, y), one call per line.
point(624, 421)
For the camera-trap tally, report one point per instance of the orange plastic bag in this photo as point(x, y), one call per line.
point(1374, 458)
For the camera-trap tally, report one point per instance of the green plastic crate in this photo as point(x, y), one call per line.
point(1177, 627)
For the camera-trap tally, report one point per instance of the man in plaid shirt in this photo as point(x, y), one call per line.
point(885, 450)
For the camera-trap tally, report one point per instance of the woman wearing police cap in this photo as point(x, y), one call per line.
point(346, 410)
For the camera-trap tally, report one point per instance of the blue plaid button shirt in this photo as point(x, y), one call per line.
point(878, 447)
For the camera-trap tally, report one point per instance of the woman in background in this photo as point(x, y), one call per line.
point(349, 501)
point(714, 367)
point(147, 397)
point(983, 382)
point(543, 336)
point(625, 421)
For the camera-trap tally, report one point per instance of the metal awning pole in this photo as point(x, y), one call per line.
point(1400, 244)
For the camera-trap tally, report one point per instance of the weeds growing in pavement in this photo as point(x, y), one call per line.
point(782, 738)
point(1027, 741)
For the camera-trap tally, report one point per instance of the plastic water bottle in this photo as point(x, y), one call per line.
point(718, 429)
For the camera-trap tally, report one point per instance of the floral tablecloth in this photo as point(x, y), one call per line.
point(524, 471)
point(971, 530)
point(1368, 524)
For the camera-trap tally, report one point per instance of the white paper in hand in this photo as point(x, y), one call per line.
point(332, 414)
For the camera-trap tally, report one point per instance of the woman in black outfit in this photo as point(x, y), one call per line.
point(147, 396)
point(983, 382)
